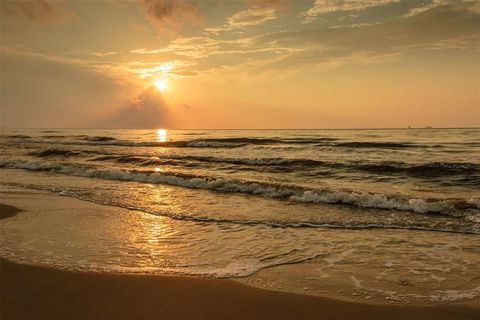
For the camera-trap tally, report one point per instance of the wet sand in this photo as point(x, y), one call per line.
point(29, 292)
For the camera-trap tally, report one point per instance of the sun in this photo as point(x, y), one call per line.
point(161, 84)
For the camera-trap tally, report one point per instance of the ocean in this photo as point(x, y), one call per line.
point(368, 211)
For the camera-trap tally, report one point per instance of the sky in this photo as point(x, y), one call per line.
point(239, 64)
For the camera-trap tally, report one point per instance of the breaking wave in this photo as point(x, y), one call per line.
point(294, 193)
point(423, 170)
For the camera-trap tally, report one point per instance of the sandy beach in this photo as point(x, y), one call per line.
point(32, 292)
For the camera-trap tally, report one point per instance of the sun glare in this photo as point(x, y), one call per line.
point(161, 84)
point(162, 135)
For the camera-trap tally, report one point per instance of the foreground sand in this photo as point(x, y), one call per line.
point(30, 292)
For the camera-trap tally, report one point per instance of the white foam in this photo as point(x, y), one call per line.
point(375, 200)
point(455, 295)
point(269, 190)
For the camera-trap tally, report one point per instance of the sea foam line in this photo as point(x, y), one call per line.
point(452, 207)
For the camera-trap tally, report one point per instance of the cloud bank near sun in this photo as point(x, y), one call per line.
point(368, 63)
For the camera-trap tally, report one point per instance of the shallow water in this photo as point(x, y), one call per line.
point(232, 203)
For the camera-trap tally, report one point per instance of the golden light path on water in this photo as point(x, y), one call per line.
point(162, 135)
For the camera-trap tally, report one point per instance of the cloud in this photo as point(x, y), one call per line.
point(195, 56)
point(104, 53)
point(470, 5)
point(38, 91)
point(195, 48)
point(451, 26)
point(36, 88)
point(41, 11)
point(253, 16)
point(326, 6)
point(170, 15)
point(441, 27)
point(422, 8)
point(146, 111)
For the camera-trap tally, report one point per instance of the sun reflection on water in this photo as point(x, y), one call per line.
point(162, 135)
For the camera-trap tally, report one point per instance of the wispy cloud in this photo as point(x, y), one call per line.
point(328, 46)
point(253, 16)
point(104, 53)
point(469, 5)
point(188, 56)
point(326, 6)
point(370, 42)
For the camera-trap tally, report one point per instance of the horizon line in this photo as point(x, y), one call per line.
point(224, 129)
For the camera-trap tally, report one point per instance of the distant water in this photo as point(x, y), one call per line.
point(413, 179)
point(290, 184)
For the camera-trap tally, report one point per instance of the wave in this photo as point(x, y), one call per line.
point(51, 136)
point(434, 169)
point(187, 161)
point(241, 140)
point(16, 136)
point(138, 160)
point(425, 170)
point(56, 152)
point(252, 161)
point(294, 193)
point(274, 223)
point(382, 145)
point(232, 142)
point(209, 144)
point(98, 138)
point(109, 141)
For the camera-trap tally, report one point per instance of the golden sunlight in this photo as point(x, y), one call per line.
point(161, 84)
point(162, 135)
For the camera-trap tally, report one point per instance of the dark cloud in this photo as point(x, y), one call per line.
point(41, 11)
point(169, 15)
point(147, 111)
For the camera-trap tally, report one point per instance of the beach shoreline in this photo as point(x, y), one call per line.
point(32, 292)
point(38, 292)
